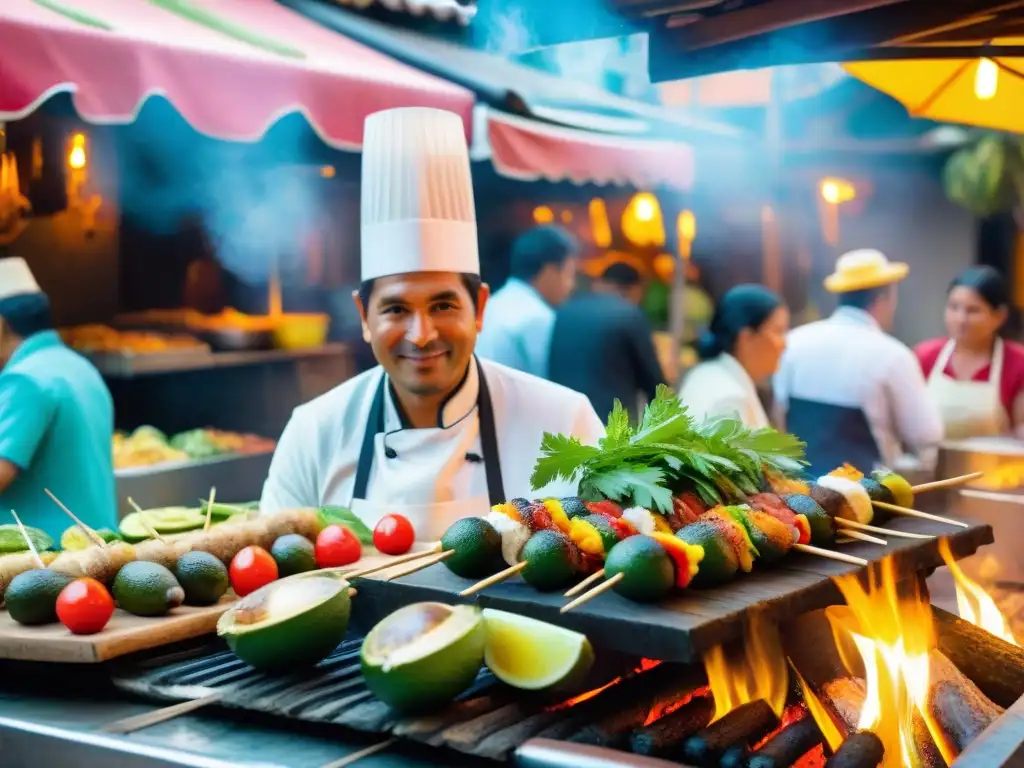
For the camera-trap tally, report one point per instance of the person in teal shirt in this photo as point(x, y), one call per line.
point(56, 416)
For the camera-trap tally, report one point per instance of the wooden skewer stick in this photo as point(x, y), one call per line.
point(28, 540)
point(844, 523)
point(598, 590)
point(145, 523)
point(209, 509)
point(852, 534)
point(829, 554)
point(922, 515)
point(492, 580)
point(596, 576)
point(842, 540)
point(162, 715)
point(389, 564)
point(357, 756)
point(419, 565)
point(949, 482)
point(95, 537)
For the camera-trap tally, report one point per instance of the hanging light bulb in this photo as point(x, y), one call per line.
point(986, 79)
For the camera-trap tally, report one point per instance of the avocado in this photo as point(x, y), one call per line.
point(220, 512)
point(648, 572)
point(11, 539)
point(878, 492)
point(74, 538)
point(203, 577)
point(147, 589)
point(608, 535)
point(424, 655)
point(165, 520)
point(823, 529)
point(574, 506)
point(720, 562)
point(552, 561)
point(288, 624)
point(31, 597)
point(902, 492)
point(477, 548)
point(293, 554)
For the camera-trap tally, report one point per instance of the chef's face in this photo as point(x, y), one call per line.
point(970, 320)
point(422, 328)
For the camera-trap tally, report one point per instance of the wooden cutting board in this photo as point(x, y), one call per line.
point(125, 633)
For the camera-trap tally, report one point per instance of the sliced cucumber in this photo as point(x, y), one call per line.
point(137, 525)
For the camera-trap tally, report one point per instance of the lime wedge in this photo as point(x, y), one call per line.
point(74, 539)
point(533, 655)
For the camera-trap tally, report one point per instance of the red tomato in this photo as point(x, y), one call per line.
point(393, 535)
point(337, 545)
point(85, 606)
point(252, 568)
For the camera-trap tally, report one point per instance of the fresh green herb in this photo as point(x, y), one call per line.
point(345, 517)
point(718, 458)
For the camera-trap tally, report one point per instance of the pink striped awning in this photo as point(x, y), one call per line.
point(230, 67)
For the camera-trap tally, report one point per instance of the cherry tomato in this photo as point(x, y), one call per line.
point(337, 545)
point(393, 535)
point(85, 606)
point(252, 568)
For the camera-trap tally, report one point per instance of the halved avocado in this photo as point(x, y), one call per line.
point(288, 624)
point(424, 655)
point(164, 520)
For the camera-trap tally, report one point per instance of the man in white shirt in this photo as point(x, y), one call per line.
point(520, 317)
point(432, 433)
point(849, 390)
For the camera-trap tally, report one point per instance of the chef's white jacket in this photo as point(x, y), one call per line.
point(316, 458)
point(722, 387)
point(848, 360)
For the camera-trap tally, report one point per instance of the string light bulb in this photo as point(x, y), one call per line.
point(986, 79)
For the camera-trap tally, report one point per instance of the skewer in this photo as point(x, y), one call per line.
point(596, 576)
point(492, 580)
point(209, 508)
point(28, 540)
point(357, 756)
point(389, 564)
point(842, 540)
point(586, 597)
point(851, 534)
point(145, 523)
point(949, 482)
point(162, 715)
point(827, 553)
point(922, 515)
point(420, 565)
point(95, 537)
point(842, 522)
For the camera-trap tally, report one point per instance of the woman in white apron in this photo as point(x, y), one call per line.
point(970, 372)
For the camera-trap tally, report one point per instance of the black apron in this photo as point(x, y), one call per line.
point(488, 440)
point(835, 435)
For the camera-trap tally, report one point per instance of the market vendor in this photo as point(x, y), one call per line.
point(847, 388)
point(433, 433)
point(56, 416)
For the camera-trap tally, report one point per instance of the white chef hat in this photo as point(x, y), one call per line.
point(16, 278)
point(417, 195)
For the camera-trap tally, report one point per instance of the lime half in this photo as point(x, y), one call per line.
point(74, 539)
point(533, 655)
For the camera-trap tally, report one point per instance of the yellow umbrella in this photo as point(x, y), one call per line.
point(988, 93)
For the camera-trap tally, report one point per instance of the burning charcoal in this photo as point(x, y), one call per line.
point(994, 665)
point(787, 746)
point(862, 750)
point(957, 707)
point(666, 734)
point(745, 725)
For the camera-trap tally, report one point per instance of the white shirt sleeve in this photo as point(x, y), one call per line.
point(780, 385)
point(916, 416)
point(291, 482)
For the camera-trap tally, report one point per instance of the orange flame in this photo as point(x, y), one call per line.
point(973, 603)
point(756, 671)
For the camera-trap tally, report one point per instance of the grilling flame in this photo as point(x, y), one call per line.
point(973, 603)
point(757, 670)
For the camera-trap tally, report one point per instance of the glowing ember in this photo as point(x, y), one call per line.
point(973, 603)
point(757, 670)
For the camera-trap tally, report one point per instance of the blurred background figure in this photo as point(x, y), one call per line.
point(739, 351)
point(602, 344)
point(519, 317)
point(975, 378)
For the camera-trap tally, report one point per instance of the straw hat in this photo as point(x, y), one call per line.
point(16, 278)
point(866, 268)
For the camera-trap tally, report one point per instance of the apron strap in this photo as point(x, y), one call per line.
point(995, 366)
point(488, 440)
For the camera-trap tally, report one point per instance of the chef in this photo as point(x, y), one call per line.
point(847, 388)
point(433, 433)
point(56, 416)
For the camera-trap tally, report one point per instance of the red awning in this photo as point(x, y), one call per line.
point(529, 150)
point(230, 67)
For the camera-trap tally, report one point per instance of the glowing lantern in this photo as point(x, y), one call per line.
point(600, 228)
point(642, 223)
point(543, 215)
point(76, 157)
